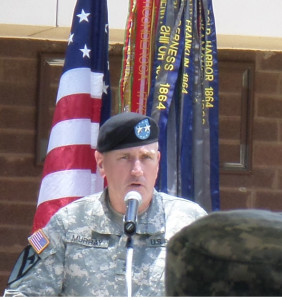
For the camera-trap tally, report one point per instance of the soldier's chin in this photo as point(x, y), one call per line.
point(137, 188)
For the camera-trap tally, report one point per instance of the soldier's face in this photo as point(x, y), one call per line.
point(130, 169)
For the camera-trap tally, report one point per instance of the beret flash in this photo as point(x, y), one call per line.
point(127, 130)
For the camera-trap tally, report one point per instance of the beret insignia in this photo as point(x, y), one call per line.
point(142, 129)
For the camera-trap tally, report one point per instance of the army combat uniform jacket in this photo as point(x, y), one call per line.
point(86, 253)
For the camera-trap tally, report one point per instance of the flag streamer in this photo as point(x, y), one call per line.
point(182, 97)
point(126, 71)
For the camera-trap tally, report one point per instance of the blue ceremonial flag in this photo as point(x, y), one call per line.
point(83, 103)
point(184, 101)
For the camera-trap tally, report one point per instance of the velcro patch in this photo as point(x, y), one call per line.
point(96, 241)
point(39, 241)
point(27, 259)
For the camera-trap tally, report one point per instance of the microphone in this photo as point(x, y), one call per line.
point(132, 200)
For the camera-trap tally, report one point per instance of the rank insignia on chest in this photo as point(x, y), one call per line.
point(38, 241)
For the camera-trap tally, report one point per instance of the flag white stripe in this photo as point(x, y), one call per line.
point(80, 81)
point(36, 242)
point(67, 183)
point(94, 134)
point(73, 132)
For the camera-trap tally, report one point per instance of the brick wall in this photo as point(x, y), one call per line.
point(19, 176)
point(256, 126)
point(260, 185)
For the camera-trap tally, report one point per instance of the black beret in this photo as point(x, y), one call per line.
point(127, 130)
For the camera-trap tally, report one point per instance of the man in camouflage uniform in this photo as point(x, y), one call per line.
point(231, 253)
point(83, 247)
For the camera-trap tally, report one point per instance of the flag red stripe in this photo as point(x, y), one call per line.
point(46, 210)
point(70, 157)
point(78, 106)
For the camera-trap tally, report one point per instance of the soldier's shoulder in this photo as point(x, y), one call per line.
point(85, 203)
point(174, 202)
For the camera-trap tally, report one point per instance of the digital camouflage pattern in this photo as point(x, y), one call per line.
point(87, 251)
point(231, 253)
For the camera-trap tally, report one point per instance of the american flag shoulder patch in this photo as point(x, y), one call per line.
point(39, 241)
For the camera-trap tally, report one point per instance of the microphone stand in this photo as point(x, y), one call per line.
point(129, 259)
point(130, 230)
point(132, 200)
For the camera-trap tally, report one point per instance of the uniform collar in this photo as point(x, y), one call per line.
point(151, 222)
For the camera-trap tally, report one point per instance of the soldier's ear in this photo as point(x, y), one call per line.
point(100, 162)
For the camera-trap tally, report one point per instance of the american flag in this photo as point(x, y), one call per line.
point(83, 103)
point(38, 241)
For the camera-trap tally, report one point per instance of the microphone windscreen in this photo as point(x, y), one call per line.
point(133, 195)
